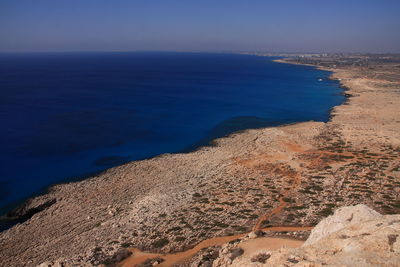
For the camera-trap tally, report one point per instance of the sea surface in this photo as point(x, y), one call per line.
point(65, 116)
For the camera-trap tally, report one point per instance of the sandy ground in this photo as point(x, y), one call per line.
point(249, 246)
point(252, 246)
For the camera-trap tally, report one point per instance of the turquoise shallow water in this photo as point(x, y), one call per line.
point(64, 116)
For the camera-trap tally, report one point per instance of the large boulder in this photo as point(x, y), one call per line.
point(341, 218)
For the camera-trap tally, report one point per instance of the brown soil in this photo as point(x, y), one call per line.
point(139, 256)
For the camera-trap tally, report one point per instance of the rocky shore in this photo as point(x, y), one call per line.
point(292, 175)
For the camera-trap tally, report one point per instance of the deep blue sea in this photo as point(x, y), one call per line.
point(64, 116)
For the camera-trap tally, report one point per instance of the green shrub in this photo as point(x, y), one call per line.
point(160, 243)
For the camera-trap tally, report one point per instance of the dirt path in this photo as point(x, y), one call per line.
point(251, 246)
point(139, 256)
point(294, 148)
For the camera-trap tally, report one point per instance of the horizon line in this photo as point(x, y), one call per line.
point(194, 51)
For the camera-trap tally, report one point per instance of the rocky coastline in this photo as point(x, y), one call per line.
point(287, 176)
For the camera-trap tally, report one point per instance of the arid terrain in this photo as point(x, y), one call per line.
point(288, 176)
point(355, 236)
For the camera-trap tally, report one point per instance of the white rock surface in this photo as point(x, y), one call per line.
point(342, 217)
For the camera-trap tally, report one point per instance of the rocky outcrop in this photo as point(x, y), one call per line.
point(30, 208)
point(353, 236)
point(342, 217)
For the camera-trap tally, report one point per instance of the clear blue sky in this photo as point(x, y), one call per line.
point(200, 25)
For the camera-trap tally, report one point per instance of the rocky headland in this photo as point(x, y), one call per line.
point(251, 181)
